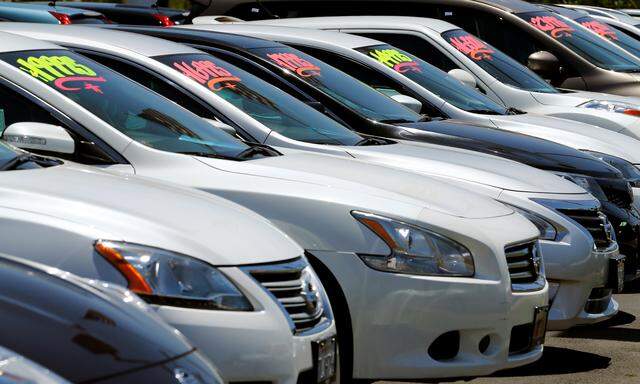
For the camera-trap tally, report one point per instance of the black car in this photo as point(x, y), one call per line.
point(251, 54)
point(133, 14)
point(87, 332)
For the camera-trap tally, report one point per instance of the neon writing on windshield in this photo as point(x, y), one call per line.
point(551, 25)
point(63, 71)
point(472, 47)
point(601, 29)
point(395, 59)
point(295, 63)
point(208, 73)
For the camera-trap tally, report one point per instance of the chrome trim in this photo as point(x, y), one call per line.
point(538, 267)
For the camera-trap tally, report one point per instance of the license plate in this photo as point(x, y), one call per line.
point(616, 273)
point(540, 315)
point(325, 359)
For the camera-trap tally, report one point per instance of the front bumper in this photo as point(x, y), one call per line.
point(256, 346)
point(396, 318)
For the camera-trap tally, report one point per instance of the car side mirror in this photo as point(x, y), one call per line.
point(545, 64)
point(408, 101)
point(220, 125)
point(39, 137)
point(464, 77)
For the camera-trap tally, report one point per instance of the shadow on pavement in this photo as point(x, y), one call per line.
point(606, 330)
point(557, 361)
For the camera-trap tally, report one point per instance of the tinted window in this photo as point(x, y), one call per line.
point(347, 90)
point(127, 106)
point(262, 101)
point(594, 49)
point(605, 30)
point(496, 63)
point(432, 79)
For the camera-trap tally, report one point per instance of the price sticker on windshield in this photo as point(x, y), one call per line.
point(552, 26)
point(63, 72)
point(601, 29)
point(206, 72)
point(295, 63)
point(396, 60)
point(471, 46)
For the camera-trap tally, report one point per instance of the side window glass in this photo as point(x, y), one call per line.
point(368, 76)
point(16, 108)
point(154, 83)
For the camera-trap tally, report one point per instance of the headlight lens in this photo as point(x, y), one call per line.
point(628, 170)
point(613, 106)
point(586, 183)
point(547, 230)
point(18, 369)
point(167, 278)
point(415, 250)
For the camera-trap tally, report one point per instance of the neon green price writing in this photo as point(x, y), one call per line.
point(50, 68)
point(395, 59)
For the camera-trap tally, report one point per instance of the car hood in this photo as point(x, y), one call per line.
point(148, 212)
point(576, 98)
point(466, 165)
point(538, 153)
point(575, 134)
point(108, 329)
point(346, 175)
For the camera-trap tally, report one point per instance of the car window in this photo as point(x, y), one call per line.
point(617, 37)
point(585, 44)
point(347, 90)
point(129, 107)
point(433, 79)
point(269, 105)
point(496, 63)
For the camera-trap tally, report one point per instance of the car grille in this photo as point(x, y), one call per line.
point(596, 223)
point(292, 286)
point(524, 264)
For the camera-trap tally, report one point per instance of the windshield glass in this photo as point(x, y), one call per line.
point(7, 154)
point(587, 45)
point(433, 79)
point(497, 64)
point(617, 37)
point(347, 90)
point(269, 105)
point(129, 107)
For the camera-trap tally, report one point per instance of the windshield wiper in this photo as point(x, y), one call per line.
point(515, 111)
point(371, 141)
point(257, 149)
point(29, 158)
point(207, 154)
point(484, 111)
point(397, 121)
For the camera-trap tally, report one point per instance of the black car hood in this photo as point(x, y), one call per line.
point(76, 331)
point(538, 153)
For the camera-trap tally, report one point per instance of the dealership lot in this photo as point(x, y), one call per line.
point(602, 354)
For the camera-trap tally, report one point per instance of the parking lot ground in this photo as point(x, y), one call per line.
point(607, 353)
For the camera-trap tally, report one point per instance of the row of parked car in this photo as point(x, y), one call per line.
point(311, 195)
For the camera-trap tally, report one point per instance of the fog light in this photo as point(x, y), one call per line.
point(445, 347)
point(484, 344)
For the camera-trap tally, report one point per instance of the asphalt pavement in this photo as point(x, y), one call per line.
point(607, 353)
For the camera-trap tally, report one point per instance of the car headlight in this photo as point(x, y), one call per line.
point(547, 230)
point(630, 172)
point(415, 250)
point(167, 278)
point(585, 182)
point(17, 369)
point(613, 106)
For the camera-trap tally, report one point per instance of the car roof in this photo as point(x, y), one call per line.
point(391, 22)
point(144, 45)
point(12, 43)
point(571, 13)
point(342, 39)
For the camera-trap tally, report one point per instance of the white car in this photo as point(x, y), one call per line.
point(437, 90)
point(568, 251)
point(184, 251)
point(410, 264)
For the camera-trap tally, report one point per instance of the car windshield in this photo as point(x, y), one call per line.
point(264, 102)
point(347, 90)
point(497, 64)
point(617, 37)
point(433, 79)
point(127, 106)
point(8, 154)
point(585, 44)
